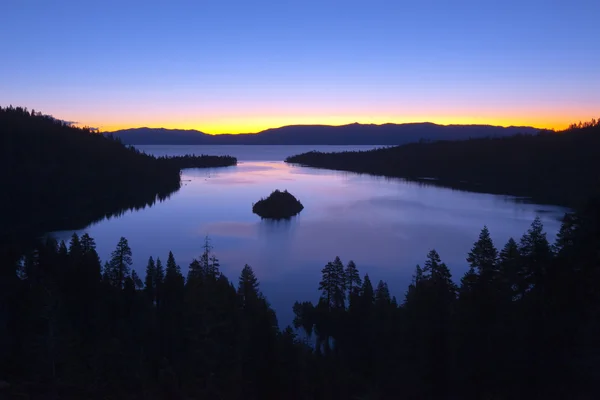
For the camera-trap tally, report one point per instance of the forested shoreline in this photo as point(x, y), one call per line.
point(521, 323)
point(56, 176)
point(559, 168)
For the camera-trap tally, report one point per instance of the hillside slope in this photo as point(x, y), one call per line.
point(559, 168)
point(56, 176)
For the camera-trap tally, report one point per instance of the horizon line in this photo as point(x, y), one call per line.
point(327, 125)
point(253, 124)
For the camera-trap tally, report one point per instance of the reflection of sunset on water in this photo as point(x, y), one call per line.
point(386, 226)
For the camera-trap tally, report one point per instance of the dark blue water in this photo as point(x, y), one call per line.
point(386, 226)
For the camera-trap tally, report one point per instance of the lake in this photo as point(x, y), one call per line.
point(386, 226)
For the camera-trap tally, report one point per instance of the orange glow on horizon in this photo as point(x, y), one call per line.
point(244, 116)
point(258, 124)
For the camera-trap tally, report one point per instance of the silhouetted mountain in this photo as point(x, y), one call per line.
point(353, 134)
point(161, 136)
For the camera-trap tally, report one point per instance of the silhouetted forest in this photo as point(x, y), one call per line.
point(55, 176)
point(555, 168)
point(278, 205)
point(203, 161)
point(523, 322)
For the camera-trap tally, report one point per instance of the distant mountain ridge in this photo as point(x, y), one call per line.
point(352, 134)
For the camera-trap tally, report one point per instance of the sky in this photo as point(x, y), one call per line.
point(224, 66)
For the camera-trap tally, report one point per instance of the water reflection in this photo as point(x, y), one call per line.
point(278, 234)
point(386, 226)
point(281, 228)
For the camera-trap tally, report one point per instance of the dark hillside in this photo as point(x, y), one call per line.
point(55, 176)
point(558, 168)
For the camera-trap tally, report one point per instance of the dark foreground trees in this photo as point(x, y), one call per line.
point(522, 323)
point(70, 331)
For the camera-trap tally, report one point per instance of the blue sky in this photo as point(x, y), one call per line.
point(239, 66)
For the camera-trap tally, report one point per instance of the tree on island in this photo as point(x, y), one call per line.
point(278, 205)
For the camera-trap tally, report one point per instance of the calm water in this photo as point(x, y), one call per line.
point(386, 226)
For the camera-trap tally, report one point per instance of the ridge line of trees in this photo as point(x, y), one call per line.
point(559, 168)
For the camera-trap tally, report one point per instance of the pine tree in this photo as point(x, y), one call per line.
point(172, 265)
point(510, 252)
point(195, 271)
point(159, 281)
point(434, 297)
point(137, 281)
point(534, 243)
point(340, 293)
point(367, 295)
point(332, 284)
point(213, 266)
point(480, 286)
point(150, 281)
point(205, 261)
point(418, 274)
point(173, 271)
point(91, 268)
point(566, 235)
point(160, 273)
point(257, 333)
point(436, 270)
point(468, 284)
point(509, 266)
point(413, 288)
point(327, 284)
point(484, 256)
point(248, 286)
point(172, 288)
point(535, 253)
point(75, 249)
point(353, 281)
point(120, 263)
point(87, 243)
point(439, 277)
point(382, 294)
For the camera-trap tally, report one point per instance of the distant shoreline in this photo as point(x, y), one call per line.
point(322, 135)
point(557, 168)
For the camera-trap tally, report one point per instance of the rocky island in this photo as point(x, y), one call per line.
point(278, 205)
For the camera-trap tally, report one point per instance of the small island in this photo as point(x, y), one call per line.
point(278, 205)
